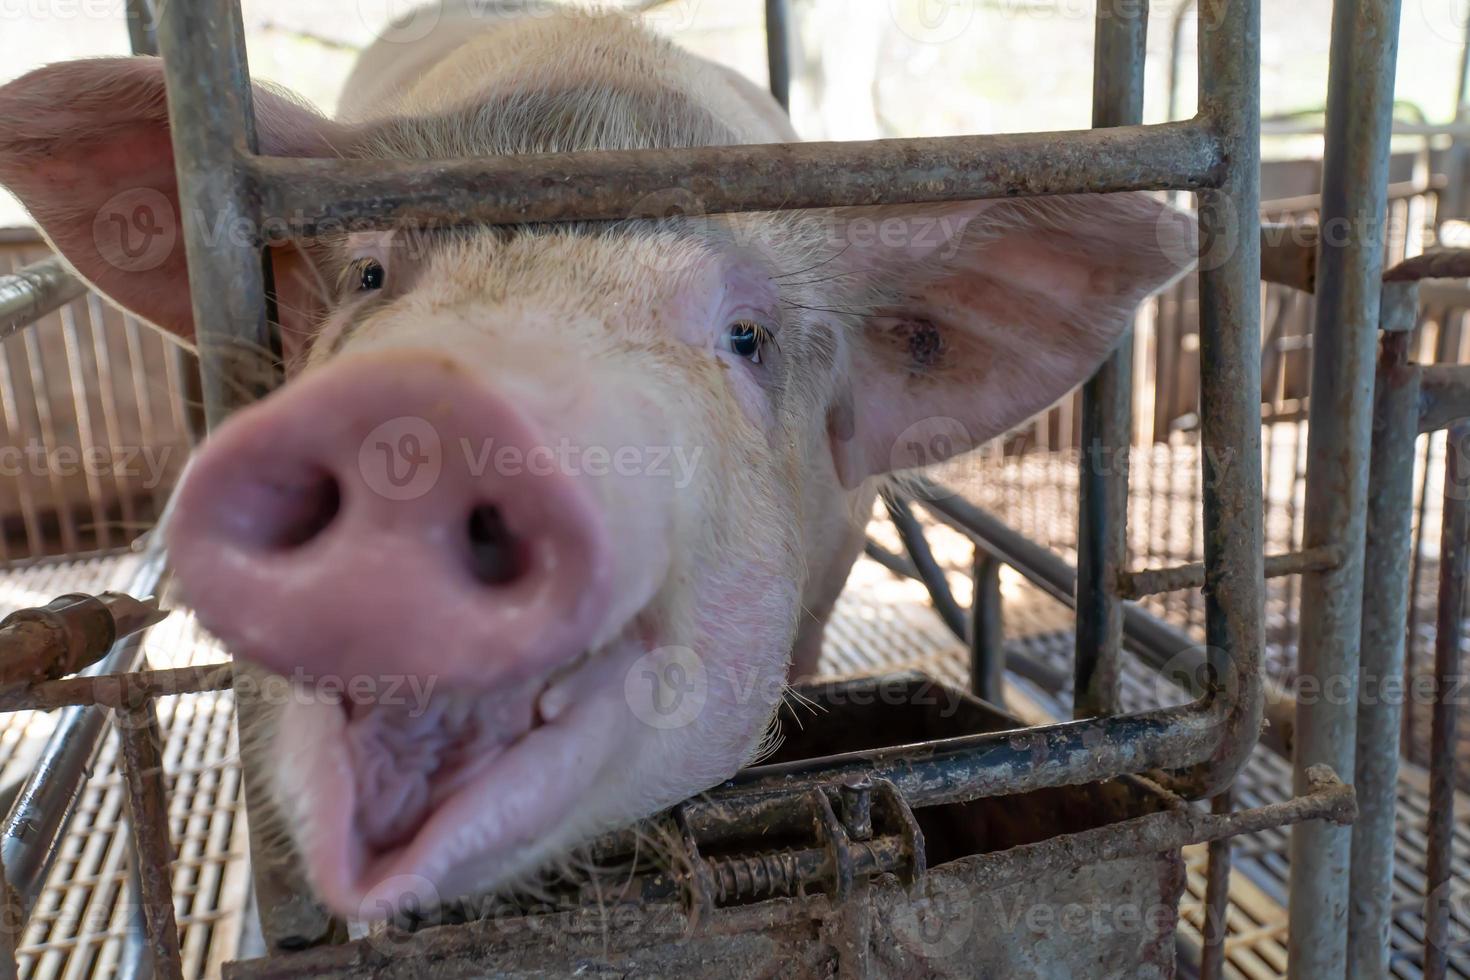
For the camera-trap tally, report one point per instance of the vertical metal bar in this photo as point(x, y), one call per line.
point(1385, 607)
point(1454, 569)
point(780, 49)
point(1217, 902)
point(1339, 431)
point(141, 759)
point(142, 27)
point(212, 122)
point(1230, 381)
point(987, 631)
point(1120, 36)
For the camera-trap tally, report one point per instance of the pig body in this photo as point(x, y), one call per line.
point(507, 621)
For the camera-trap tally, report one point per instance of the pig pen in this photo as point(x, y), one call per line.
point(908, 849)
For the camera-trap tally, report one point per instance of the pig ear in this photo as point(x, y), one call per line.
point(85, 146)
point(988, 313)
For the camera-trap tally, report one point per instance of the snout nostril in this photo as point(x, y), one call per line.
point(303, 511)
point(495, 553)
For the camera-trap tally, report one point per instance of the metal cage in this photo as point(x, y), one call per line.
point(1359, 492)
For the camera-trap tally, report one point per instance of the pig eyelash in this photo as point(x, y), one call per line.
point(748, 339)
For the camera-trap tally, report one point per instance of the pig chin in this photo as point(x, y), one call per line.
point(409, 805)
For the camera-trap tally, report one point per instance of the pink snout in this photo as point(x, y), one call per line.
point(385, 516)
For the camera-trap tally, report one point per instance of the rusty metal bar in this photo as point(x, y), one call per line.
point(67, 634)
point(117, 690)
point(987, 630)
point(308, 197)
point(1444, 396)
point(1230, 387)
point(1389, 537)
point(1119, 48)
point(1216, 927)
point(44, 808)
point(212, 122)
point(472, 948)
point(29, 293)
point(1454, 571)
point(1153, 581)
point(1350, 272)
point(780, 49)
point(1448, 263)
point(141, 759)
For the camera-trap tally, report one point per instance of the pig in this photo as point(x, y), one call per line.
point(495, 643)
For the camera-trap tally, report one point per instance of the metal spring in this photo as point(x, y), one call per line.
point(760, 874)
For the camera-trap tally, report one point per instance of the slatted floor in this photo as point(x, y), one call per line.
point(80, 929)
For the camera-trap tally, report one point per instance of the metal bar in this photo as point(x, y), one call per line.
point(1152, 581)
point(1444, 395)
point(1216, 927)
point(461, 948)
point(37, 822)
point(1119, 46)
point(308, 197)
point(29, 293)
point(1350, 272)
point(1289, 255)
point(927, 568)
point(141, 758)
point(116, 690)
point(142, 27)
point(70, 632)
point(987, 631)
point(780, 49)
point(212, 122)
point(1447, 263)
point(1159, 644)
point(1230, 385)
point(1385, 607)
point(1454, 570)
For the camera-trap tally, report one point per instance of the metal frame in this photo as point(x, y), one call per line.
point(1215, 154)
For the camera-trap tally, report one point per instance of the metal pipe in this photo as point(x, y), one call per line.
point(1157, 643)
point(987, 631)
point(213, 127)
point(1216, 927)
point(1389, 538)
point(308, 197)
point(1119, 46)
point(780, 49)
point(1444, 395)
point(1153, 581)
point(31, 292)
point(1454, 570)
point(141, 758)
point(1349, 275)
point(1230, 385)
point(929, 572)
point(37, 822)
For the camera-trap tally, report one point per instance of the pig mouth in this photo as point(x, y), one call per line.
point(406, 806)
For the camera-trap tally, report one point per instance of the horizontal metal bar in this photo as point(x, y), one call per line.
point(456, 949)
point(31, 292)
point(1444, 395)
point(1449, 296)
point(1152, 581)
point(1448, 263)
point(118, 690)
point(1157, 643)
point(316, 196)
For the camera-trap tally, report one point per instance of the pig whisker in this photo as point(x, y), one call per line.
point(814, 282)
point(831, 258)
point(828, 309)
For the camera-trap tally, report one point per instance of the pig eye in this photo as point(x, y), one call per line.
point(747, 339)
point(368, 275)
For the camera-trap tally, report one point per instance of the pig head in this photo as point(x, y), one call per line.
point(544, 516)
